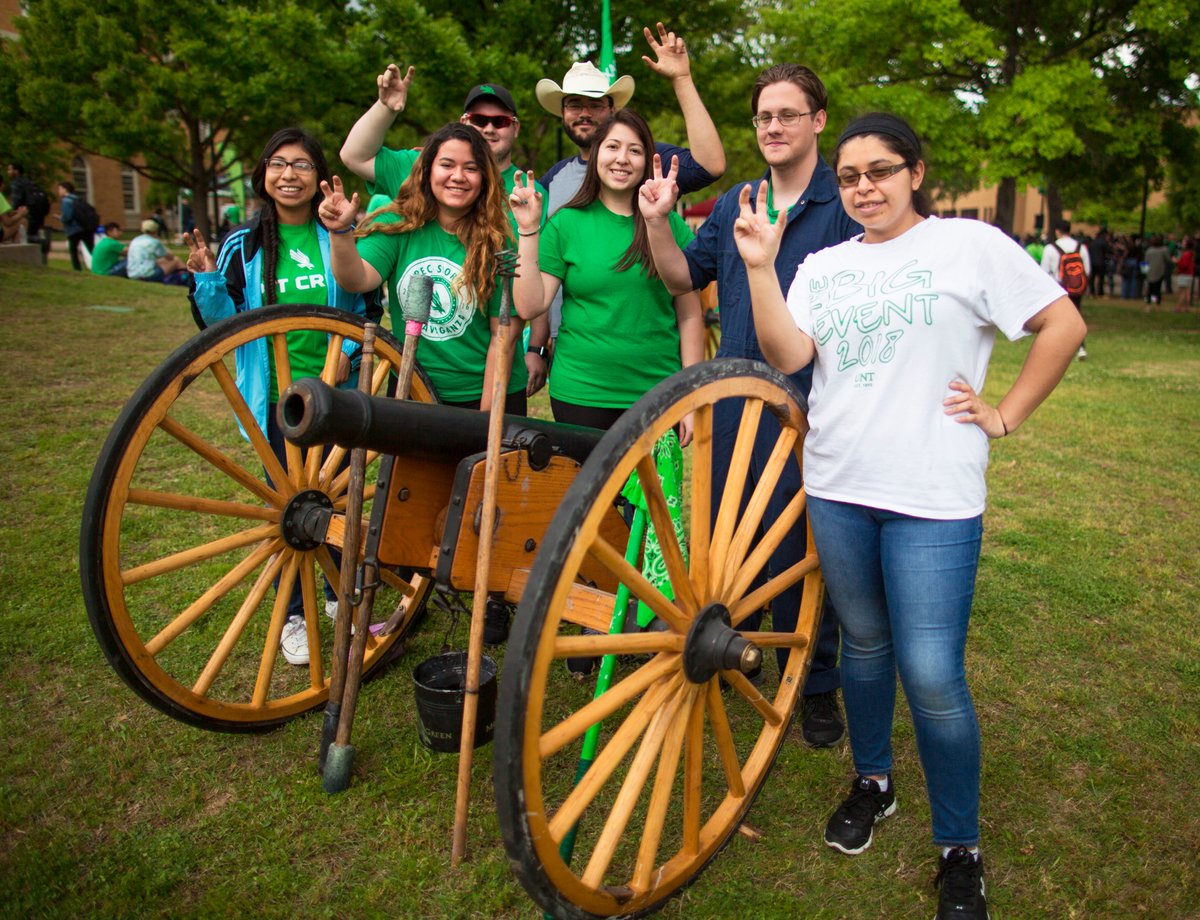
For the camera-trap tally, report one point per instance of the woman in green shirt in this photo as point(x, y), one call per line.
point(622, 332)
point(448, 222)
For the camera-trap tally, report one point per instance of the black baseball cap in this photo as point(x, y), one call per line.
point(492, 92)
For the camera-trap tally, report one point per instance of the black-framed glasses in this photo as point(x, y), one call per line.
point(786, 118)
point(481, 121)
point(875, 174)
point(301, 165)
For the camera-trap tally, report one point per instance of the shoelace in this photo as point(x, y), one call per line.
point(860, 803)
point(822, 707)
point(959, 877)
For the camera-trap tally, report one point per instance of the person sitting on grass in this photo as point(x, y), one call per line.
point(147, 259)
point(108, 256)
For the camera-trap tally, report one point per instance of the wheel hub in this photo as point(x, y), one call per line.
point(713, 645)
point(305, 519)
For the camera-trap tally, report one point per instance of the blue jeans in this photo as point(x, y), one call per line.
point(902, 587)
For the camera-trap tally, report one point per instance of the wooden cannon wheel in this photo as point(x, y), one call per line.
point(687, 741)
point(183, 537)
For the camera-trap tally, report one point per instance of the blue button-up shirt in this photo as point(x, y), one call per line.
point(817, 221)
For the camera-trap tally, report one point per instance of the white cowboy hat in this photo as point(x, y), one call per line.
point(583, 79)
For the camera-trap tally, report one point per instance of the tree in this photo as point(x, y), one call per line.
point(1006, 90)
point(172, 90)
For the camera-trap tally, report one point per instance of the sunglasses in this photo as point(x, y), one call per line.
point(496, 121)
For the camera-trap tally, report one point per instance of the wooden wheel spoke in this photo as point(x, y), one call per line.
point(768, 480)
point(266, 665)
point(392, 580)
point(701, 494)
point(693, 769)
point(225, 464)
point(333, 354)
point(660, 795)
point(379, 375)
point(198, 553)
point(283, 376)
point(617, 644)
point(258, 440)
point(312, 619)
point(724, 741)
point(177, 502)
point(638, 584)
point(234, 631)
point(631, 790)
point(342, 480)
point(618, 695)
point(774, 587)
point(204, 603)
point(329, 469)
point(739, 682)
point(731, 499)
point(368, 494)
point(664, 532)
point(761, 554)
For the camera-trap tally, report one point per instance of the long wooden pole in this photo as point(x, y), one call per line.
point(500, 376)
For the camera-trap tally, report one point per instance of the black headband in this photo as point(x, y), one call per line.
point(887, 125)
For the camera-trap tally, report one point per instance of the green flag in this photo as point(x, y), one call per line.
point(607, 65)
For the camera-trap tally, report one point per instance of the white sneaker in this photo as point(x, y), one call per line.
point(1082, 353)
point(331, 610)
point(294, 641)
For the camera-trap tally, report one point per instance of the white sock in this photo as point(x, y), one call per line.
point(974, 851)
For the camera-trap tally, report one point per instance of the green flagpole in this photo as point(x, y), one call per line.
point(607, 65)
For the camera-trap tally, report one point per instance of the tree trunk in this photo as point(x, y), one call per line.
point(1054, 209)
point(1006, 205)
point(201, 177)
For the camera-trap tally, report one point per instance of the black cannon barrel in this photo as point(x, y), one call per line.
point(311, 412)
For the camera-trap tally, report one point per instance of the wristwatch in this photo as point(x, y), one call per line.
point(540, 350)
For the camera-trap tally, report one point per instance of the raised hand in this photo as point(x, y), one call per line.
point(393, 89)
point(200, 257)
point(670, 52)
point(658, 194)
point(526, 202)
point(756, 237)
point(336, 210)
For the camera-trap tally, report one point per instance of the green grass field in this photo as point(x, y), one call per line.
point(1084, 660)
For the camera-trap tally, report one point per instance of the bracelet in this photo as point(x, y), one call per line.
point(540, 350)
point(1004, 423)
point(530, 233)
point(347, 230)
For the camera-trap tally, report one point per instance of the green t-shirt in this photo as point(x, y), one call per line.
point(300, 278)
point(105, 254)
point(618, 336)
point(454, 343)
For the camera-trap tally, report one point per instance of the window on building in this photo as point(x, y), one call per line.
point(79, 176)
point(949, 212)
point(129, 191)
point(972, 213)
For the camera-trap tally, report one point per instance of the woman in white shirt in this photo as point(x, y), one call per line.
point(900, 323)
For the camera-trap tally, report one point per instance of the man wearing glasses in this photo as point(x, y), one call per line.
point(490, 109)
point(788, 102)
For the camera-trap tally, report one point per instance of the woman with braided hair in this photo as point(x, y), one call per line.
point(279, 256)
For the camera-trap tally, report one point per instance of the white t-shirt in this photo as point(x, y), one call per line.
point(1051, 256)
point(894, 323)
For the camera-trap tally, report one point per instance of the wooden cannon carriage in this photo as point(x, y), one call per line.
point(184, 539)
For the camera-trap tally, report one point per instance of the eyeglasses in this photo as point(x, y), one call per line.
point(787, 119)
point(301, 166)
point(499, 122)
point(875, 174)
point(589, 105)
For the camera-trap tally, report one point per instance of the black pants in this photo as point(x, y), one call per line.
point(602, 417)
point(73, 242)
point(514, 403)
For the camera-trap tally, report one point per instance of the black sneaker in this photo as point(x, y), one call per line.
point(495, 621)
point(822, 725)
point(960, 884)
point(850, 828)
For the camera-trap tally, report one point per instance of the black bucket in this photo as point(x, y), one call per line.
point(439, 683)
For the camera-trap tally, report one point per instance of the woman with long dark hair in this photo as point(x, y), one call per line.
point(281, 255)
point(622, 332)
point(900, 322)
point(448, 222)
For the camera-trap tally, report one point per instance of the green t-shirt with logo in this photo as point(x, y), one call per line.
point(454, 343)
point(300, 278)
point(106, 254)
point(618, 336)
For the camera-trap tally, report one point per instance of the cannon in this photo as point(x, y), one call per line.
point(194, 534)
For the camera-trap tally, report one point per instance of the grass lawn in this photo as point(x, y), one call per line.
point(1084, 660)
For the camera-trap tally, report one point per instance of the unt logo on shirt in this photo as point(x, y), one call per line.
point(450, 315)
point(301, 259)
